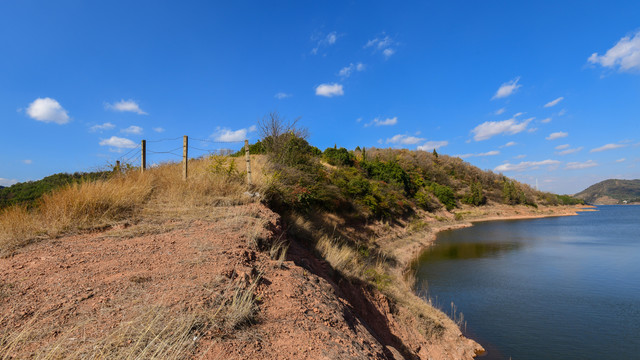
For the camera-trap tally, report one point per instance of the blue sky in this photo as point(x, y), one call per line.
point(548, 90)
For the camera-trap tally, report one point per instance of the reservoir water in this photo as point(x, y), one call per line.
point(552, 288)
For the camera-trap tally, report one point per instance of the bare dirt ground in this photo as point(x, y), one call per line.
point(136, 287)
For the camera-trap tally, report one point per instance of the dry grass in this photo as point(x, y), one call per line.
point(160, 193)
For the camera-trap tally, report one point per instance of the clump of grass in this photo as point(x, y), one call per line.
point(243, 308)
point(340, 256)
point(278, 251)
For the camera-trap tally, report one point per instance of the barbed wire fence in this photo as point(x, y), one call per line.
point(138, 156)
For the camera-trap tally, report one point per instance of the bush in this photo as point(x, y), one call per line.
point(475, 195)
point(390, 172)
point(338, 156)
point(445, 195)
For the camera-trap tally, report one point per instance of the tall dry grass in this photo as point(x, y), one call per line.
point(159, 192)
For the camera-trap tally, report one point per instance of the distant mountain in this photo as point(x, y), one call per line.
point(611, 192)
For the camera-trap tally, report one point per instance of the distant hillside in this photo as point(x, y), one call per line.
point(611, 192)
point(27, 192)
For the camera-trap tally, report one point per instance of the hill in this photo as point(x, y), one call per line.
point(611, 192)
point(312, 260)
point(26, 193)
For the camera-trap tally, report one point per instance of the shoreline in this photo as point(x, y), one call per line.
point(422, 240)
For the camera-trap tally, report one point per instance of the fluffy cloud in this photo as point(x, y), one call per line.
point(404, 140)
point(125, 106)
point(557, 135)
point(118, 142)
point(625, 55)
point(47, 110)
point(554, 102)
point(488, 153)
point(621, 160)
point(384, 44)
point(488, 129)
point(507, 89)
point(580, 165)
point(7, 182)
point(329, 90)
point(385, 122)
point(607, 147)
point(570, 151)
point(432, 145)
point(525, 165)
point(500, 111)
point(158, 129)
point(348, 70)
point(136, 130)
point(228, 135)
point(282, 95)
point(102, 127)
point(546, 121)
point(509, 144)
point(563, 146)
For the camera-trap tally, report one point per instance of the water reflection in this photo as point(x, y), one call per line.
point(468, 250)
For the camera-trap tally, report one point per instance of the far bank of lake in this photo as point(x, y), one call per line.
point(551, 288)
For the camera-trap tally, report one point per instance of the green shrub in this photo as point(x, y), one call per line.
point(338, 157)
point(390, 172)
point(475, 195)
point(445, 195)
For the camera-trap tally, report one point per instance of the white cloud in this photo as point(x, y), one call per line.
point(557, 135)
point(385, 44)
point(282, 95)
point(133, 129)
point(570, 151)
point(500, 111)
point(522, 156)
point(581, 165)
point(228, 135)
point(607, 147)
point(385, 122)
point(329, 90)
point(7, 182)
point(554, 102)
point(525, 165)
point(404, 140)
point(102, 127)
point(346, 71)
point(518, 114)
point(621, 160)
point(624, 55)
point(324, 41)
point(125, 106)
point(432, 145)
point(546, 121)
point(561, 147)
point(158, 129)
point(27, 161)
point(509, 144)
point(118, 142)
point(562, 112)
point(488, 129)
point(507, 89)
point(47, 110)
point(488, 153)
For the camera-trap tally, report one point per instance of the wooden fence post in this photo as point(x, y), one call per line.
point(248, 157)
point(143, 161)
point(185, 156)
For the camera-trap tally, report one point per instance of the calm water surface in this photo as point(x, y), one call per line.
point(554, 288)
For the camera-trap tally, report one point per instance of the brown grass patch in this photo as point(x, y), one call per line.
point(157, 195)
